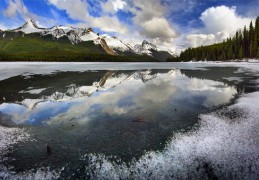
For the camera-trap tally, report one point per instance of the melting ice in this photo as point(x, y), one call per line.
point(195, 121)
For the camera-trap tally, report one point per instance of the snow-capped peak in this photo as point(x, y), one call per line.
point(89, 35)
point(145, 42)
point(145, 48)
point(173, 53)
point(114, 43)
point(111, 44)
point(30, 22)
point(30, 27)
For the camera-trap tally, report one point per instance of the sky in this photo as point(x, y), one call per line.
point(170, 24)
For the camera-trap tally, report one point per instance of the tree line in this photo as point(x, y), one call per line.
point(72, 57)
point(245, 44)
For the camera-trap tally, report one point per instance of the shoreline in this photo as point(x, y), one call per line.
point(200, 61)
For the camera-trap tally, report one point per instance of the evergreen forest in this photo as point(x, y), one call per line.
point(245, 44)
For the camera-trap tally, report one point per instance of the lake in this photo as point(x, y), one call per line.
point(129, 120)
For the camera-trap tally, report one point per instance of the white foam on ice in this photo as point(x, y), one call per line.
point(218, 146)
point(9, 137)
point(40, 174)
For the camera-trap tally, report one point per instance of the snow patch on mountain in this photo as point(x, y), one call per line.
point(111, 44)
point(65, 28)
point(115, 43)
point(73, 37)
point(173, 53)
point(89, 35)
point(29, 27)
point(145, 48)
point(57, 33)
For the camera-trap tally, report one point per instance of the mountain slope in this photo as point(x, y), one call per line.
point(35, 47)
point(29, 27)
point(30, 38)
point(34, 43)
point(151, 50)
point(115, 44)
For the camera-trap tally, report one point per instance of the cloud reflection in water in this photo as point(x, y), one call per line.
point(133, 95)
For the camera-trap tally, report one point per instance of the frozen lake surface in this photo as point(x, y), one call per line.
point(129, 120)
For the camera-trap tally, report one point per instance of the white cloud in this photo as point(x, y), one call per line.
point(158, 28)
point(76, 9)
point(11, 9)
point(150, 22)
point(17, 6)
point(107, 7)
point(118, 4)
point(146, 10)
point(109, 24)
point(112, 6)
point(223, 19)
point(149, 18)
point(220, 23)
point(195, 40)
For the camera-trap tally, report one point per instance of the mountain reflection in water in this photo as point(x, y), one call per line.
point(117, 113)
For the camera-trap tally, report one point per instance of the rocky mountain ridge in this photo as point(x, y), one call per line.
point(110, 44)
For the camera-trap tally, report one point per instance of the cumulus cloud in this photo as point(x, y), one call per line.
point(109, 24)
point(195, 40)
point(17, 7)
point(149, 19)
point(78, 10)
point(220, 23)
point(112, 6)
point(223, 19)
point(158, 28)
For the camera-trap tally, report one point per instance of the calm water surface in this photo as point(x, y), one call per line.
point(74, 113)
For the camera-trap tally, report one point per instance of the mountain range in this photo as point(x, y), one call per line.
point(30, 38)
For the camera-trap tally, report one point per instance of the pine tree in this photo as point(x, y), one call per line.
point(253, 46)
point(245, 44)
point(257, 31)
point(251, 30)
point(229, 53)
point(241, 53)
